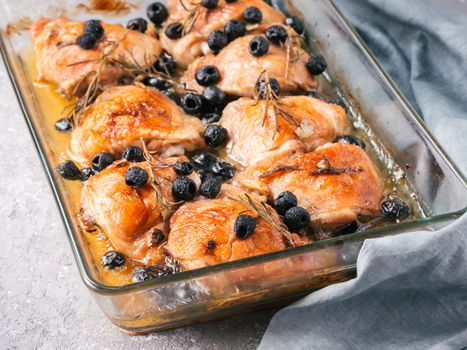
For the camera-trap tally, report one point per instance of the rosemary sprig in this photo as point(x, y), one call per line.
point(337, 171)
point(292, 45)
point(325, 168)
point(265, 213)
point(131, 67)
point(278, 169)
point(264, 91)
point(167, 207)
point(94, 88)
point(189, 21)
point(134, 69)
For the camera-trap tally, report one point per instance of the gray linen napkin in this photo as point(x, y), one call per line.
point(411, 290)
point(423, 47)
point(410, 293)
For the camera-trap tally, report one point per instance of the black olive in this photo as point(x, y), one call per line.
point(275, 86)
point(157, 13)
point(258, 46)
point(101, 161)
point(193, 103)
point(86, 41)
point(68, 170)
point(211, 244)
point(253, 15)
point(157, 236)
point(87, 173)
point(276, 34)
point(350, 139)
point(395, 208)
point(223, 169)
point(204, 174)
point(211, 187)
point(183, 189)
point(295, 23)
point(210, 4)
point(63, 124)
point(175, 96)
point(144, 273)
point(138, 24)
point(157, 83)
point(183, 168)
point(215, 135)
point(174, 30)
point(205, 160)
point(94, 26)
point(244, 226)
point(296, 218)
point(133, 154)
point(234, 29)
point(113, 260)
point(212, 108)
point(316, 65)
point(165, 64)
point(136, 177)
point(214, 96)
point(207, 75)
point(217, 40)
point(210, 118)
point(230, 1)
point(284, 201)
point(262, 89)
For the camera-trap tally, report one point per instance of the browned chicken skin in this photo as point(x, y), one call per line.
point(285, 149)
point(129, 216)
point(253, 139)
point(62, 62)
point(125, 115)
point(335, 183)
point(239, 70)
point(190, 46)
point(195, 224)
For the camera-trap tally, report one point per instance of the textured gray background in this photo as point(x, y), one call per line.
point(43, 303)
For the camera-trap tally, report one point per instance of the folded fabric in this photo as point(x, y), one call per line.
point(423, 47)
point(411, 289)
point(410, 293)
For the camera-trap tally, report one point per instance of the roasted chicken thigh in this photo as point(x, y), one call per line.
point(202, 232)
point(59, 60)
point(192, 44)
point(335, 183)
point(126, 115)
point(304, 124)
point(131, 217)
point(240, 70)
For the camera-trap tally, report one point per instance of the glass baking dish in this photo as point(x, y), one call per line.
point(276, 278)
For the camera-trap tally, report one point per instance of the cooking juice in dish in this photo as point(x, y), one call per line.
point(52, 106)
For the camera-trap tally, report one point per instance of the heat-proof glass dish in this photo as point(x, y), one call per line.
point(396, 135)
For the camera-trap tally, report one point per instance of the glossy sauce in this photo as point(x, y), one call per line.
point(52, 105)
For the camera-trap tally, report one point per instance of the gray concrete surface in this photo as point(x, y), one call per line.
point(43, 303)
